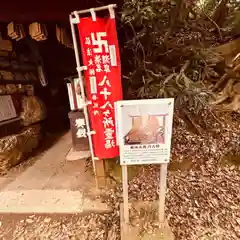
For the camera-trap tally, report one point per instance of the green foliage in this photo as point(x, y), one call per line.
point(164, 48)
point(187, 93)
point(209, 6)
point(232, 22)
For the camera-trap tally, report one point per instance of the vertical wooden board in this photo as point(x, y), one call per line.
point(100, 173)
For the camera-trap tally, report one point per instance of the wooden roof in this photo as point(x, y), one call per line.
point(44, 10)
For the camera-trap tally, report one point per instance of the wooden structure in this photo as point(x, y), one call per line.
point(20, 109)
point(54, 15)
point(25, 10)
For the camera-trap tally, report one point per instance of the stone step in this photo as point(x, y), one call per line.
point(49, 201)
point(77, 155)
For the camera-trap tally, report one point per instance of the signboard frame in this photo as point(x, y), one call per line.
point(158, 116)
point(163, 161)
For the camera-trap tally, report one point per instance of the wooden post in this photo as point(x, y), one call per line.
point(125, 194)
point(162, 192)
point(100, 173)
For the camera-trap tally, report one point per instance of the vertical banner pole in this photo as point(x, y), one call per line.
point(85, 110)
point(162, 192)
point(125, 194)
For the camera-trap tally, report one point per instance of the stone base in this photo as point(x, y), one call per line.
point(77, 155)
point(131, 232)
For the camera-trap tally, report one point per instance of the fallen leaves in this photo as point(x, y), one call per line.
point(203, 201)
point(74, 227)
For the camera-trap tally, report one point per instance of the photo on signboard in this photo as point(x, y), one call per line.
point(143, 125)
point(147, 129)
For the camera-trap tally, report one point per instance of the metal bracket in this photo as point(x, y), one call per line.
point(87, 103)
point(76, 18)
point(111, 11)
point(93, 13)
point(80, 69)
point(91, 133)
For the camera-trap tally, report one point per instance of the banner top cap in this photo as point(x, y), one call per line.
point(95, 9)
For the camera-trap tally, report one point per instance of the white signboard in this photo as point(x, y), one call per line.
point(144, 130)
point(74, 94)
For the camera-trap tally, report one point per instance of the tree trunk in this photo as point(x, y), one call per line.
point(220, 13)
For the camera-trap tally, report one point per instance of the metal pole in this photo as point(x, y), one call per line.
point(162, 192)
point(97, 9)
point(85, 110)
point(125, 194)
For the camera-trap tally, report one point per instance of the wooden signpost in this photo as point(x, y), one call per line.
point(144, 130)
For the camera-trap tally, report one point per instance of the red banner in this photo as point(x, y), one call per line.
point(100, 54)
